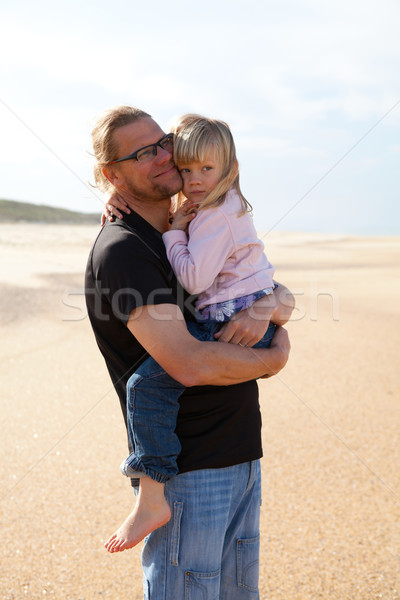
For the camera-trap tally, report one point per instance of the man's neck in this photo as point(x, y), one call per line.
point(157, 213)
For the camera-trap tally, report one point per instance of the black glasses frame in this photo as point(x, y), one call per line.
point(134, 156)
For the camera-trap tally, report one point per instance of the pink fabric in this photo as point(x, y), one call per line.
point(223, 258)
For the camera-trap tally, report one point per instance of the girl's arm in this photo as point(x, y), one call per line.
point(198, 260)
point(113, 204)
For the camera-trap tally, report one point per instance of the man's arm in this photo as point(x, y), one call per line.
point(248, 326)
point(162, 331)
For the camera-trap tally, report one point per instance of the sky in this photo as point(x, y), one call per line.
point(310, 89)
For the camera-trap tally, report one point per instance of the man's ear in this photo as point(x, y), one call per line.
point(111, 174)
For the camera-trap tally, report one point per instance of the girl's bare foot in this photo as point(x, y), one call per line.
point(150, 512)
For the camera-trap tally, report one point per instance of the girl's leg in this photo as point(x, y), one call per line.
point(150, 512)
point(152, 409)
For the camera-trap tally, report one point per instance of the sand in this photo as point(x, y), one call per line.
point(331, 422)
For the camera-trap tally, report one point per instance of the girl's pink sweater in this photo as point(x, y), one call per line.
point(222, 258)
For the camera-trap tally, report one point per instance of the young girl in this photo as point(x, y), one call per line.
point(220, 259)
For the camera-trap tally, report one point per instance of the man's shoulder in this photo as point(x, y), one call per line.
point(124, 257)
point(118, 239)
point(114, 234)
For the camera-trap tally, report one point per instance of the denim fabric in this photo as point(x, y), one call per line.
point(209, 550)
point(265, 342)
point(224, 311)
point(152, 409)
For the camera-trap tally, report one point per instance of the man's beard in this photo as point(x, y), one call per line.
point(164, 190)
point(158, 191)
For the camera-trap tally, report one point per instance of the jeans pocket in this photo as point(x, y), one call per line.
point(146, 590)
point(248, 563)
point(202, 586)
point(176, 533)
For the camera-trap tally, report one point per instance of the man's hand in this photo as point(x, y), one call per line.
point(247, 327)
point(113, 204)
point(243, 329)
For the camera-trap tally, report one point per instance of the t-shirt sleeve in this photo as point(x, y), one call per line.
point(131, 277)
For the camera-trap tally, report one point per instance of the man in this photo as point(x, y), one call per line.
point(209, 548)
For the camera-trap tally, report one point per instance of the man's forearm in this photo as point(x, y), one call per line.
point(162, 331)
point(227, 364)
point(276, 307)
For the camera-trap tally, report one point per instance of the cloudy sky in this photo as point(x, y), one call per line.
point(311, 89)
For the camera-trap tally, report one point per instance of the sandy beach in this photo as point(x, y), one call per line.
point(331, 421)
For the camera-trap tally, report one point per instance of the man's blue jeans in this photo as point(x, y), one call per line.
point(209, 550)
point(152, 410)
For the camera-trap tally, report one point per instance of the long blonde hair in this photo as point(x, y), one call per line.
point(104, 147)
point(195, 136)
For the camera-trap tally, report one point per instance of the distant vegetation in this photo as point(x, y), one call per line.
point(14, 212)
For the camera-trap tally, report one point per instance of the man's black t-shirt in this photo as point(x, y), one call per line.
point(218, 426)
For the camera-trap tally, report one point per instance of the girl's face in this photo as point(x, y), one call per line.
point(200, 177)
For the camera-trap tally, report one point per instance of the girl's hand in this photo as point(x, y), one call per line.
point(113, 203)
point(183, 216)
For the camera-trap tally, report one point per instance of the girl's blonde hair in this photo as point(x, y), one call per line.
point(195, 137)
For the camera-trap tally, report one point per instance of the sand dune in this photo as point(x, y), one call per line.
point(331, 422)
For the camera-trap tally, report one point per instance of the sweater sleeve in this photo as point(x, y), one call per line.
point(198, 260)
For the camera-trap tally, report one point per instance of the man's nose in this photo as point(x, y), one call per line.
point(163, 155)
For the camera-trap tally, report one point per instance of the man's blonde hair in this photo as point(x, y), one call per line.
point(195, 138)
point(104, 147)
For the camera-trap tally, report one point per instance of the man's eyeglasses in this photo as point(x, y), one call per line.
point(147, 152)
